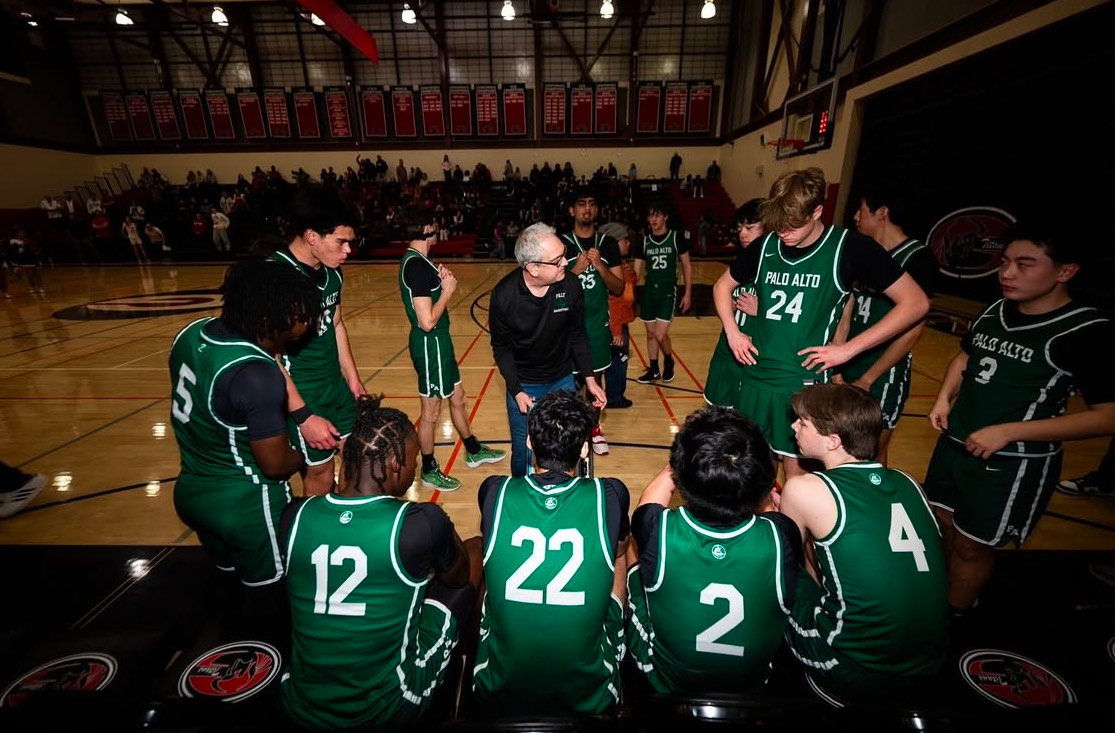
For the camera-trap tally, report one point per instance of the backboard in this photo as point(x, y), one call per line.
point(809, 117)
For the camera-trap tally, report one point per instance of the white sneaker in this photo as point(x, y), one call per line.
point(12, 501)
point(599, 442)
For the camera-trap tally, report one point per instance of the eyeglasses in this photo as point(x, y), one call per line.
point(556, 263)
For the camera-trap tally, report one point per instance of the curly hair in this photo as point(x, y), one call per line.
point(263, 298)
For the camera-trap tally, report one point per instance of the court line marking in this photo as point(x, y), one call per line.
point(148, 356)
point(678, 359)
point(95, 494)
point(83, 436)
point(661, 396)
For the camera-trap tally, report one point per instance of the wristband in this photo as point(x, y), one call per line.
point(302, 414)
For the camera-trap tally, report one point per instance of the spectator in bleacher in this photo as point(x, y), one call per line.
point(52, 207)
point(400, 173)
point(94, 205)
point(632, 172)
point(191, 179)
point(226, 203)
point(675, 166)
point(23, 253)
point(200, 228)
point(713, 173)
point(446, 168)
point(381, 169)
point(210, 177)
point(698, 187)
point(458, 174)
point(720, 549)
point(220, 230)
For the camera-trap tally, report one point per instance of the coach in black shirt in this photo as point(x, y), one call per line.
point(537, 319)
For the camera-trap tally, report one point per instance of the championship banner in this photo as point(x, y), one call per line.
point(305, 114)
point(278, 113)
point(336, 109)
point(649, 107)
point(375, 112)
point(553, 109)
point(139, 114)
point(433, 112)
point(220, 115)
point(193, 114)
point(580, 109)
point(677, 103)
point(116, 115)
point(251, 114)
point(460, 110)
point(402, 112)
point(514, 110)
point(700, 106)
point(487, 109)
point(166, 119)
point(606, 102)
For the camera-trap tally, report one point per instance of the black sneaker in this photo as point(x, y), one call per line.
point(668, 370)
point(650, 375)
point(1087, 485)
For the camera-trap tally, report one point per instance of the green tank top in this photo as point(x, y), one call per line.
point(353, 611)
point(800, 303)
point(442, 325)
point(316, 360)
point(1010, 377)
point(722, 351)
point(210, 447)
point(870, 308)
point(596, 293)
point(884, 604)
point(662, 260)
point(718, 603)
point(549, 577)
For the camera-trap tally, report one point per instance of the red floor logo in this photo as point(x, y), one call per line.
point(968, 242)
point(144, 306)
point(87, 672)
point(232, 672)
point(1013, 681)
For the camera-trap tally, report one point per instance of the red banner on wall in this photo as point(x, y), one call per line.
point(375, 112)
point(220, 116)
point(487, 109)
point(460, 110)
point(402, 112)
point(116, 115)
point(700, 107)
point(677, 103)
point(278, 113)
point(143, 127)
point(514, 110)
point(580, 109)
point(553, 109)
point(650, 104)
point(251, 114)
point(336, 109)
point(166, 119)
point(606, 99)
point(305, 114)
point(193, 115)
point(433, 112)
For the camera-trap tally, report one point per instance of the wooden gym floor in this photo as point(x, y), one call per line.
point(87, 401)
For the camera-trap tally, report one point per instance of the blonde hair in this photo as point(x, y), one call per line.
point(793, 199)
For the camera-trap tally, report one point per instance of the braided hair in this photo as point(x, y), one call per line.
point(376, 431)
point(264, 298)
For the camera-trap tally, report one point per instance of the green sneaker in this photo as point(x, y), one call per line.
point(435, 479)
point(485, 455)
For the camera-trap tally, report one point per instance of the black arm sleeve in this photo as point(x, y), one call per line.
point(253, 395)
point(792, 555)
point(645, 526)
point(427, 540)
point(419, 278)
point(1075, 353)
point(609, 251)
point(864, 261)
point(486, 498)
point(682, 240)
point(923, 267)
point(578, 338)
point(617, 504)
point(745, 266)
point(503, 346)
point(639, 250)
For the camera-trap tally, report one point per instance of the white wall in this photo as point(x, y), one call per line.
point(27, 174)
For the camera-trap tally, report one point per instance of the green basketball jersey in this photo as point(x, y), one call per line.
point(800, 303)
point(442, 325)
point(354, 614)
point(210, 447)
point(870, 308)
point(662, 259)
point(596, 292)
point(703, 638)
point(885, 586)
point(1010, 376)
point(549, 570)
point(316, 360)
point(722, 350)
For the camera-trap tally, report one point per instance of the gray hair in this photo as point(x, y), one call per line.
point(528, 247)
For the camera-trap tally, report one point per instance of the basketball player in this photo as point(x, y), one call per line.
point(884, 370)
point(372, 631)
point(229, 413)
point(551, 634)
point(325, 376)
point(871, 628)
point(1001, 406)
point(594, 258)
point(659, 253)
point(426, 289)
point(803, 270)
point(724, 372)
point(704, 558)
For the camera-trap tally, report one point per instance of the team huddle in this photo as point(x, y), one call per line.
point(845, 573)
